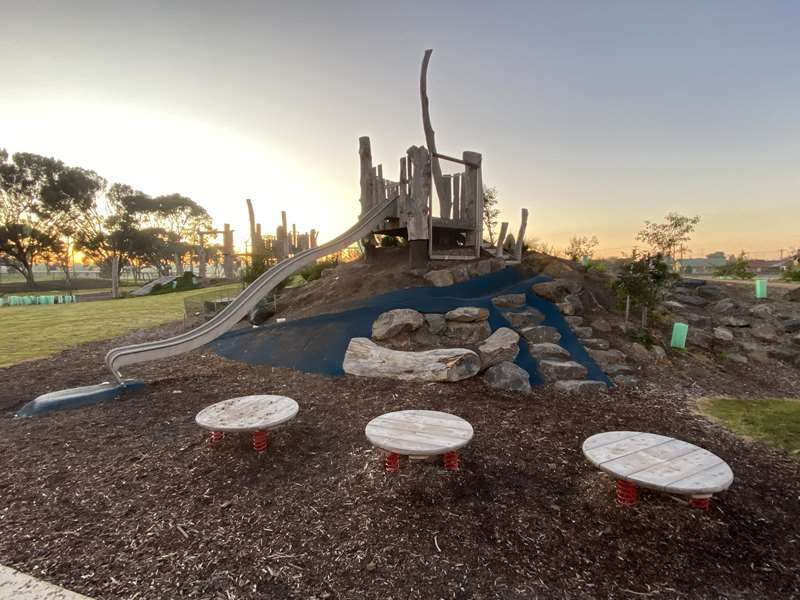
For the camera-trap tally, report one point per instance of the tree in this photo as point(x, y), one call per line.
point(642, 281)
point(490, 212)
point(580, 247)
point(41, 200)
point(669, 237)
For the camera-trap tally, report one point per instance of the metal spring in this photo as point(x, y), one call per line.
point(259, 441)
point(451, 461)
point(392, 462)
point(626, 493)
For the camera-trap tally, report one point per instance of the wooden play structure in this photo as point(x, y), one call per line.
point(452, 227)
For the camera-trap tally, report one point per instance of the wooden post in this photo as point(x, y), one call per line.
point(402, 202)
point(227, 251)
point(365, 156)
point(115, 276)
point(178, 264)
point(417, 208)
point(462, 200)
point(500, 239)
point(446, 201)
point(627, 313)
point(521, 237)
point(312, 239)
point(457, 196)
point(294, 237)
point(473, 206)
point(201, 259)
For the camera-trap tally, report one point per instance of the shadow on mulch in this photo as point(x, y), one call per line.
point(127, 499)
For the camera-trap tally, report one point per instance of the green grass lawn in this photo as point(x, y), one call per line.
point(773, 421)
point(29, 332)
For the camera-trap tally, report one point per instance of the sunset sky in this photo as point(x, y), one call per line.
point(594, 115)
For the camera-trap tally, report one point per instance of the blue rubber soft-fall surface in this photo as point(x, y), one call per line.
point(318, 344)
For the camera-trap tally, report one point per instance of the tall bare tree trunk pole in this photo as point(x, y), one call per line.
point(115, 276)
point(430, 137)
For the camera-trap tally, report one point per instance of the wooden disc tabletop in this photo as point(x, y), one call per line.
point(419, 432)
point(248, 413)
point(658, 462)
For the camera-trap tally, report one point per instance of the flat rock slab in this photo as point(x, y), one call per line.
point(554, 370)
point(524, 318)
point(658, 462)
point(18, 586)
point(467, 314)
point(548, 350)
point(419, 432)
point(509, 300)
point(366, 359)
point(248, 413)
point(539, 334)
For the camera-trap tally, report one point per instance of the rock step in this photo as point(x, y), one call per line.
point(574, 321)
point(548, 350)
point(526, 317)
point(583, 332)
point(580, 386)
point(556, 370)
point(596, 343)
point(541, 333)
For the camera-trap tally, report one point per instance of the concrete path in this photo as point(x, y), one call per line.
point(18, 586)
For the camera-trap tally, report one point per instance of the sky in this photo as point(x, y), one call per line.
point(596, 116)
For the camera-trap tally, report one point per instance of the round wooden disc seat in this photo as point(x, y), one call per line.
point(660, 463)
point(419, 434)
point(252, 414)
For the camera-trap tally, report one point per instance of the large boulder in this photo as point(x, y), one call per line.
point(541, 333)
point(440, 278)
point(366, 359)
point(508, 376)
point(557, 290)
point(460, 273)
point(709, 292)
point(596, 343)
point(601, 325)
point(722, 336)
point(793, 295)
point(791, 326)
point(547, 350)
point(639, 353)
point(725, 305)
point(468, 333)
point(394, 322)
point(732, 321)
point(509, 300)
point(583, 332)
point(501, 346)
point(606, 357)
point(261, 313)
point(764, 332)
point(524, 318)
point(762, 311)
point(437, 324)
point(481, 267)
point(690, 299)
point(467, 314)
point(556, 370)
point(698, 337)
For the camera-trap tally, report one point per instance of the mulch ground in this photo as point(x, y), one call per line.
point(128, 500)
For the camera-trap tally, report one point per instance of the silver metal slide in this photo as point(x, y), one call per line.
point(244, 302)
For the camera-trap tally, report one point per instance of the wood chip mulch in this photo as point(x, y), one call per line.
point(128, 500)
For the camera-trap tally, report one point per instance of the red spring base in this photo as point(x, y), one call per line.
point(451, 461)
point(701, 503)
point(216, 436)
point(392, 462)
point(259, 441)
point(626, 493)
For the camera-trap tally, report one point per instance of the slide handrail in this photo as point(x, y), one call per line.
point(245, 301)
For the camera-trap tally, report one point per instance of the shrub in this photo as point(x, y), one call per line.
point(643, 279)
point(738, 268)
